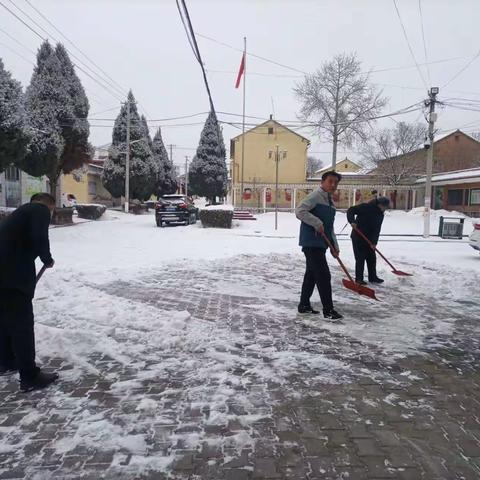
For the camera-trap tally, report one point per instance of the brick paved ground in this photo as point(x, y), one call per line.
point(302, 399)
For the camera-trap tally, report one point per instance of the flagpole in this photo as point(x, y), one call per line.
point(243, 117)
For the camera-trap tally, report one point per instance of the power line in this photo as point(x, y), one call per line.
point(408, 43)
point(45, 39)
point(16, 53)
point(16, 41)
point(423, 37)
point(71, 53)
point(380, 70)
point(252, 54)
point(191, 35)
point(462, 70)
point(73, 44)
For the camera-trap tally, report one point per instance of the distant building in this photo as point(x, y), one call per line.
point(259, 170)
point(344, 166)
point(16, 187)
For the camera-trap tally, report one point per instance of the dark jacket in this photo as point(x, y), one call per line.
point(23, 238)
point(368, 218)
point(316, 209)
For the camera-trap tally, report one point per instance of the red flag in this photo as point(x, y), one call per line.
point(240, 71)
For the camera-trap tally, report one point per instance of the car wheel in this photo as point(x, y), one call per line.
point(187, 221)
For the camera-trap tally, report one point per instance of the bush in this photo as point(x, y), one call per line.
point(91, 211)
point(216, 218)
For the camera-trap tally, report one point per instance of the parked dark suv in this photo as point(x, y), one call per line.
point(175, 209)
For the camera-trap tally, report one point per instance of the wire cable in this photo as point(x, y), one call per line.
point(408, 43)
point(423, 38)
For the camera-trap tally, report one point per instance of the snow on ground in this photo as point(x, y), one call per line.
point(98, 299)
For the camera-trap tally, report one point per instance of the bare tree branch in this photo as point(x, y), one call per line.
point(337, 98)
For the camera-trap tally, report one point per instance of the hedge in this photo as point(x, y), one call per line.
point(216, 218)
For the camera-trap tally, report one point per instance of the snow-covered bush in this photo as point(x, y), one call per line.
point(216, 217)
point(90, 211)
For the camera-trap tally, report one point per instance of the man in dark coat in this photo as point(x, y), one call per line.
point(317, 214)
point(368, 218)
point(23, 238)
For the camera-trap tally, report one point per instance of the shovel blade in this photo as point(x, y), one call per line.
point(402, 274)
point(360, 289)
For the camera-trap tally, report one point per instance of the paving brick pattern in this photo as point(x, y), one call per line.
point(373, 422)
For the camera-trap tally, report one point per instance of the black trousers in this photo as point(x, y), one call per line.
point(363, 253)
point(17, 337)
point(317, 273)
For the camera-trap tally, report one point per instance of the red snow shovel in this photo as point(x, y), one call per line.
point(350, 284)
point(373, 247)
point(40, 273)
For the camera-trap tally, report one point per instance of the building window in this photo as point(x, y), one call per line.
point(455, 197)
point(232, 148)
point(92, 188)
point(12, 174)
point(475, 196)
point(270, 130)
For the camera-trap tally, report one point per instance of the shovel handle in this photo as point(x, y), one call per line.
point(372, 246)
point(330, 246)
point(40, 273)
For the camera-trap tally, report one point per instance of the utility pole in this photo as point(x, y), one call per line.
point(277, 161)
point(127, 161)
point(171, 146)
point(186, 175)
point(432, 117)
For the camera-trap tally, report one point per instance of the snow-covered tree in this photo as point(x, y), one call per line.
point(166, 176)
point(339, 101)
point(77, 148)
point(142, 165)
point(208, 171)
point(53, 100)
point(13, 134)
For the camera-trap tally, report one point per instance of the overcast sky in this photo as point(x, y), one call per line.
point(142, 45)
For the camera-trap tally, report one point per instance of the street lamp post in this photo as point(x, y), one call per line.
point(277, 161)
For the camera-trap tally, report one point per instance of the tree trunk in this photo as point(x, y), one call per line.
point(53, 189)
point(394, 199)
point(334, 151)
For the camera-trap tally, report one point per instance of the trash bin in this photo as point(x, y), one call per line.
point(451, 227)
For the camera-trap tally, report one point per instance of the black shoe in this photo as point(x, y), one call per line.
point(7, 370)
point(361, 282)
point(41, 380)
point(376, 280)
point(332, 315)
point(307, 309)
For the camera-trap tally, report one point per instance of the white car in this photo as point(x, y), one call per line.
point(68, 200)
point(474, 239)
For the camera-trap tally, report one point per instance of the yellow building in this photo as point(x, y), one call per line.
point(86, 185)
point(344, 166)
point(259, 171)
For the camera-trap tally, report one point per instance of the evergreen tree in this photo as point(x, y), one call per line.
point(77, 149)
point(166, 177)
point(13, 134)
point(54, 99)
point(208, 170)
point(142, 165)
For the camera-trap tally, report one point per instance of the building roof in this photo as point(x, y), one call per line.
point(458, 176)
point(277, 123)
point(328, 167)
